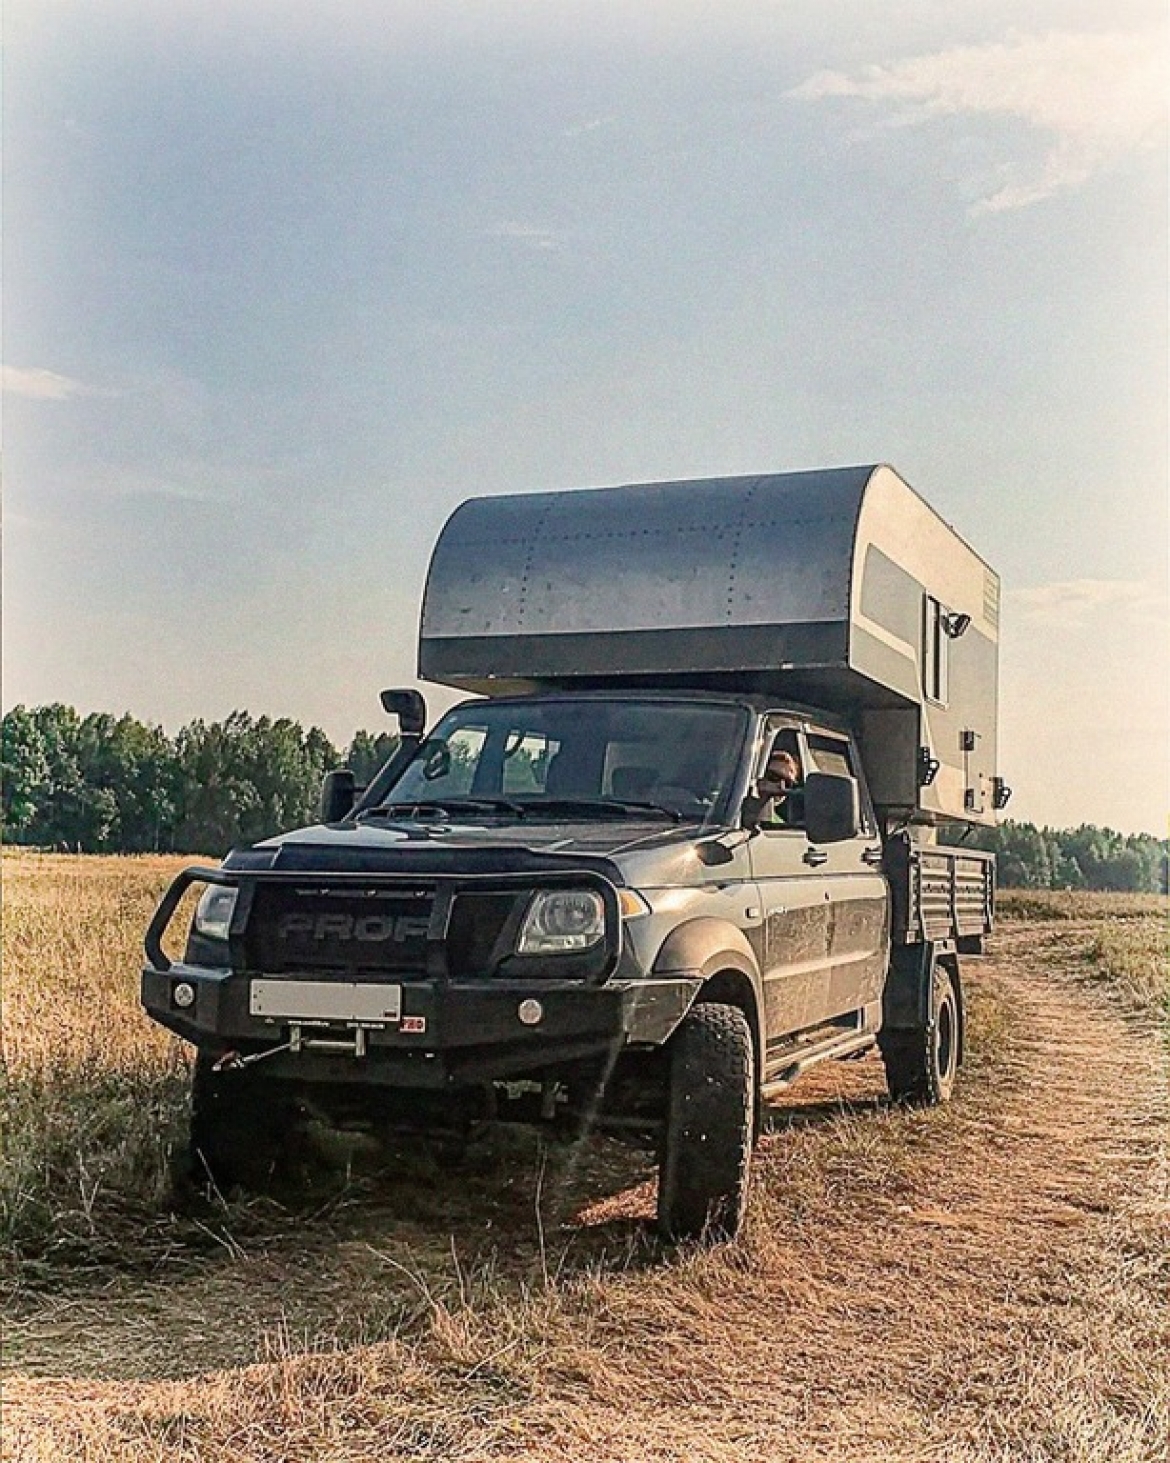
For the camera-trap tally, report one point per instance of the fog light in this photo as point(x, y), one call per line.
point(530, 1012)
point(184, 994)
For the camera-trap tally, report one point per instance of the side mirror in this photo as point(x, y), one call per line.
point(712, 853)
point(832, 807)
point(338, 795)
point(410, 709)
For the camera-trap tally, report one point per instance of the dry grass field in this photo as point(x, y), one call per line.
point(982, 1283)
point(93, 1095)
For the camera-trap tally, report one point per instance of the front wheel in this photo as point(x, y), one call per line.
point(923, 1062)
point(710, 1113)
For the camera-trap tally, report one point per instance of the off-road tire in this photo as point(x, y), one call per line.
point(710, 1117)
point(923, 1062)
point(239, 1127)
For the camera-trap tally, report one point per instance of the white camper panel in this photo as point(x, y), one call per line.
point(924, 622)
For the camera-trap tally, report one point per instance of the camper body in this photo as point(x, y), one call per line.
point(578, 898)
point(840, 589)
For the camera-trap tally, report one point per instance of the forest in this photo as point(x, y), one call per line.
point(113, 784)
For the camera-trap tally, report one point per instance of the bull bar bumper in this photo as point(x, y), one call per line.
point(450, 1031)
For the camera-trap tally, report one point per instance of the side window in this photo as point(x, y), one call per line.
point(787, 810)
point(835, 755)
point(830, 754)
point(935, 650)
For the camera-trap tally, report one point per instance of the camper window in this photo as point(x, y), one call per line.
point(935, 651)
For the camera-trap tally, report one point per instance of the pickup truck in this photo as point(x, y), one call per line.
point(586, 900)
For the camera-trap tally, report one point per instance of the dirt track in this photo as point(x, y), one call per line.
point(986, 1282)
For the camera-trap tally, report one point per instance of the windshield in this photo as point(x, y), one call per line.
point(576, 758)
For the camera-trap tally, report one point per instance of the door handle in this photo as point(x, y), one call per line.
point(873, 856)
point(816, 856)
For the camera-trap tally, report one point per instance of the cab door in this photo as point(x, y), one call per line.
point(794, 909)
point(855, 889)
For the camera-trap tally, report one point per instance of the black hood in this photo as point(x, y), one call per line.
point(411, 846)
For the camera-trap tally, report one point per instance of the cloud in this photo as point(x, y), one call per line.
point(533, 236)
point(594, 124)
point(1073, 603)
point(1098, 98)
point(41, 385)
point(177, 480)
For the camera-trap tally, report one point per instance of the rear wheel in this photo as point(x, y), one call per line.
point(710, 1113)
point(923, 1062)
point(239, 1126)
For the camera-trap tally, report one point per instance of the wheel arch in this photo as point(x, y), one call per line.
point(907, 996)
point(720, 953)
point(732, 986)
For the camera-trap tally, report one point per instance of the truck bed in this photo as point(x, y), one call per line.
point(940, 893)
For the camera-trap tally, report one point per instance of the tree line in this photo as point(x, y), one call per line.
point(1087, 857)
point(113, 784)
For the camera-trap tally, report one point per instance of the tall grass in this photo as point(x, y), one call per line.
point(1126, 943)
point(1080, 905)
point(94, 1100)
point(92, 1094)
point(1134, 957)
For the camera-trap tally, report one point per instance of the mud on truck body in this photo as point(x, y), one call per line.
point(570, 901)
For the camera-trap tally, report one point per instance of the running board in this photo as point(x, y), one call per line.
point(852, 1044)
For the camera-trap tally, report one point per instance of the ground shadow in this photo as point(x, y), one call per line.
point(364, 1240)
point(824, 1110)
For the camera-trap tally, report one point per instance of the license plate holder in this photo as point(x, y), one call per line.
point(326, 1002)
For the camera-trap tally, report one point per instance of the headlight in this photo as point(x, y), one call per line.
point(213, 913)
point(560, 920)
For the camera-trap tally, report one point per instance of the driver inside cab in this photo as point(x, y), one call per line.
point(779, 801)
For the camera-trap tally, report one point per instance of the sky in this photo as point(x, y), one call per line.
point(284, 283)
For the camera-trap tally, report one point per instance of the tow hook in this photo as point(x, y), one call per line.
point(234, 1062)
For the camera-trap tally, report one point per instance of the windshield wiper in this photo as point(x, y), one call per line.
point(613, 807)
point(445, 809)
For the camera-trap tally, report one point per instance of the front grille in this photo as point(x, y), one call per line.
point(482, 931)
point(315, 927)
point(323, 927)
